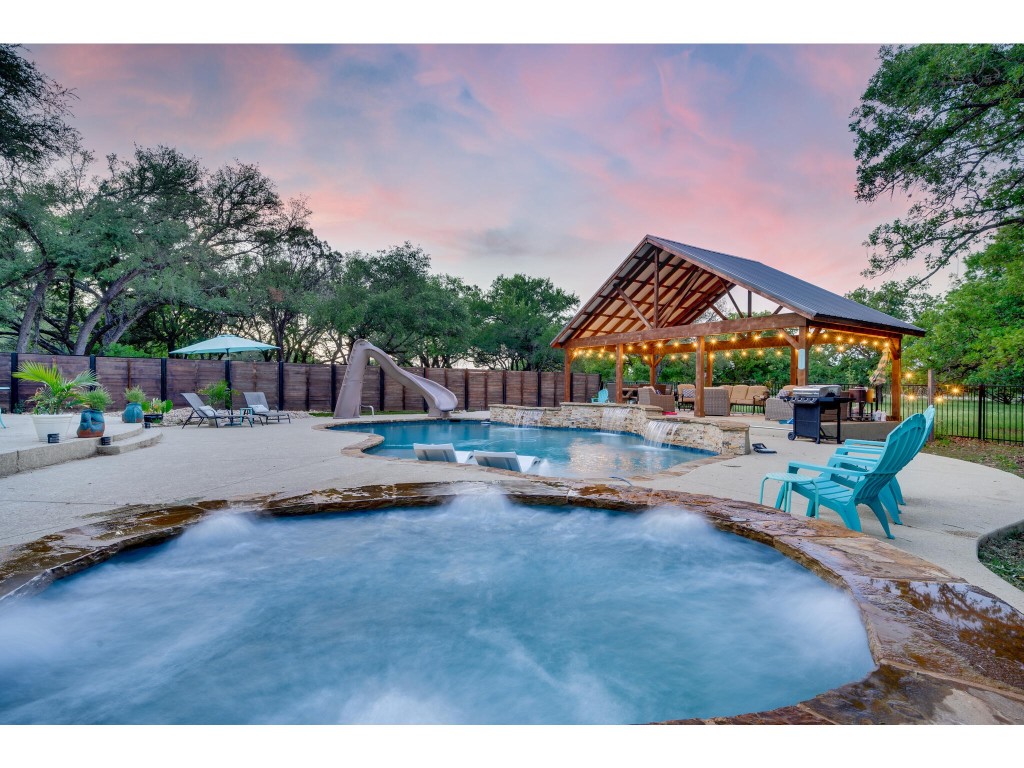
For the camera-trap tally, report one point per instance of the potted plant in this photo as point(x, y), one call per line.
point(219, 395)
point(133, 411)
point(94, 403)
point(155, 410)
point(56, 397)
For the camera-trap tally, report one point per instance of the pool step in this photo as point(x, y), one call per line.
point(144, 440)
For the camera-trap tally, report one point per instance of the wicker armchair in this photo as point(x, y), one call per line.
point(716, 401)
point(650, 396)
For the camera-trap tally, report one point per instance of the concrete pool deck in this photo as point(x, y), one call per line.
point(950, 503)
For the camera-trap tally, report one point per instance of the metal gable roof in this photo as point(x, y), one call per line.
point(811, 301)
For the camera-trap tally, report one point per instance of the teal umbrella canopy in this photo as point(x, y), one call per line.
point(225, 343)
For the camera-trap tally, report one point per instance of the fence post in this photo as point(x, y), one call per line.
point(981, 411)
point(539, 403)
point(504, 388)
point(14, 382)
point(280, 385)
point(380, 388)
point(334, 386)
point(931, 398)
point(163, 378)
point(570, 386)
point(465, 389)
point(227, 377)
point(307, 389)
point(92, 364)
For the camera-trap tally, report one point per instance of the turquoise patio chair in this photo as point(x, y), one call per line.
point(602, 396)
point(843, 488)
point(862, 454)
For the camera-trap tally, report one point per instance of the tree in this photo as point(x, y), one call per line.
point(283, 287)
point(86, 258)
point(391, 299)
point(519, 316)
point(976, 333)
point(32, 112)
point(945, 123)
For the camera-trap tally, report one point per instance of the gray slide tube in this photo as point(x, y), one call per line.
point(440, 401)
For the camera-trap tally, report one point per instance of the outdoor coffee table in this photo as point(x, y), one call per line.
point(243, 415)
point(788, 480)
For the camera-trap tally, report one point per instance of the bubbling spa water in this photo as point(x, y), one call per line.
point(478, 612)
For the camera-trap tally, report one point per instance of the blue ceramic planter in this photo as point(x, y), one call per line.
point(91, 424)
point(132, 414)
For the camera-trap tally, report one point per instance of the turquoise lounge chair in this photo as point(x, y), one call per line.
point(862, 454)
point(843, 488)
point(602, 397)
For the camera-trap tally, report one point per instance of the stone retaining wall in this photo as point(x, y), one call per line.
point(721, 436)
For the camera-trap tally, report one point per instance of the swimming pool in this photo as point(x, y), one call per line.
point(481, 611)
point(562, 452)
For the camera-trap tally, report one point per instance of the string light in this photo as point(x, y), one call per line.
point(760, 353)
point(744, 353)
point(778, 353)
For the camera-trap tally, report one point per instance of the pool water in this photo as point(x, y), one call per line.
point(562, 452)
point(478, 612)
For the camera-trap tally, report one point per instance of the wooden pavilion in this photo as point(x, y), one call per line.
point(653, 303)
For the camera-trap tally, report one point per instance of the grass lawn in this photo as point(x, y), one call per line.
point(1005, 556)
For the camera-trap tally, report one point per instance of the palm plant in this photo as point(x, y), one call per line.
point(58, 393)
point(96, 399)
point(135, 395)
point(219, 394)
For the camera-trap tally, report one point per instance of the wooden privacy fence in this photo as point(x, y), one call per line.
point(301, 387)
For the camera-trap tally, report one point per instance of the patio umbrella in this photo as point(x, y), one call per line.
point(226, 343)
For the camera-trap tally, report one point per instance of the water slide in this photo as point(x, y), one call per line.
point(440, 401)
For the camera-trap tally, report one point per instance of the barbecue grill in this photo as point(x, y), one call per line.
point(809, 403)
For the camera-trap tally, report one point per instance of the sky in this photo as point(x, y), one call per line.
point(551, 160)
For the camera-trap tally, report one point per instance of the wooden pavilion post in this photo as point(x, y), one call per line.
point(897, 377)
point(803, 354)
point(698, 399)
point(792, 365)
point(618, 374)
point(567, 391)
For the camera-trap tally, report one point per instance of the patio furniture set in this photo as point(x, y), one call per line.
point(859, 472)
point(256, 409)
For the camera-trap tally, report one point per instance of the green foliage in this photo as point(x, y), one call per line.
point(58, 393)
point(32, 111)
point(118, 349)
point(157, 405)
point(96, 399)
point(391, 299)
point(219, 394)
point(135, 395)
point(516, 321)
point(976, 332)
point(946, 123)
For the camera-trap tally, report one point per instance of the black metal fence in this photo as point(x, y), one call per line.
point(982, 411)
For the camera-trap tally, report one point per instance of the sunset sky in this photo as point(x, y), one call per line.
point(549, 160)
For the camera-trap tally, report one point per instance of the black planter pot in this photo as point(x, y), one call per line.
point(153, 418)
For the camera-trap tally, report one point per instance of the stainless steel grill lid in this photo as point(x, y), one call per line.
point(815, 391)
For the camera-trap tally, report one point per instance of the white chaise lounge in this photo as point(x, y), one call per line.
point(504, 460)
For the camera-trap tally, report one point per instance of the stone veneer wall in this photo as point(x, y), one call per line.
point(721, 436)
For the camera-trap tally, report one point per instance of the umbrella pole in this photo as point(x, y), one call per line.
point(227, 378)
